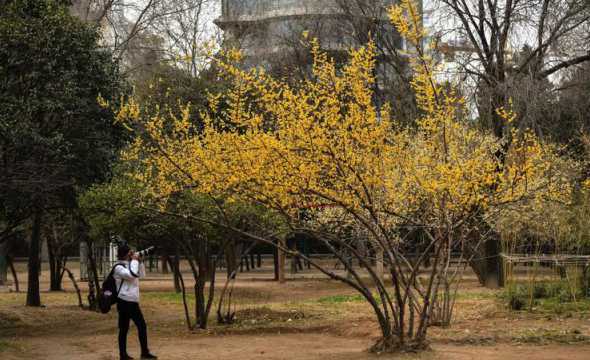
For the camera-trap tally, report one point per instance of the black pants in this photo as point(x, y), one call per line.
point(131, 311)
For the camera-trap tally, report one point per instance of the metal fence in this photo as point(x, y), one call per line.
point(105, 256)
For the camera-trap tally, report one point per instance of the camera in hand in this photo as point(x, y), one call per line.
point(146, 252)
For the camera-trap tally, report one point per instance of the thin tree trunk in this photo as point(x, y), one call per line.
point(247, 262)
point(3, 263)
point(275, 260)
point(211, 273)
point(231, 258)
point(54, 266)
point(200, 281)
point(165, 260)
point(93, 277)
point(200, 301)
point(71, 276)
point(175, 266)
point(33, 295)
point(379, 264)
point(282, 259)
point(229, 316)
point(178, 275)
point(14, 274)
point(62, 265)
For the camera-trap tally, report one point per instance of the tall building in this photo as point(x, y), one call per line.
point(268, 31)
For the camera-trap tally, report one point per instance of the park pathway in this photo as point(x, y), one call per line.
point(272, 347)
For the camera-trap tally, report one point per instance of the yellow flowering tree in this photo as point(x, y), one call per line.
point(323, 145)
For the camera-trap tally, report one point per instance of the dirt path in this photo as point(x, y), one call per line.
point(277, 347)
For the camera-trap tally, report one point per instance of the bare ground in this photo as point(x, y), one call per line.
point(306, 318)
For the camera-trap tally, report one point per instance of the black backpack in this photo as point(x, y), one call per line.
point(109, 293)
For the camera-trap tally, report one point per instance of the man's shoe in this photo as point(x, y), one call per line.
point(148, 356)
point(126, 357)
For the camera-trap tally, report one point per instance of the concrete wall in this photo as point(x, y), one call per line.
point(257, 9)
point(86, 10)
point(254, 10)
point(265, 28)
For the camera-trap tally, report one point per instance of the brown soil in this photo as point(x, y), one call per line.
point(297, 320)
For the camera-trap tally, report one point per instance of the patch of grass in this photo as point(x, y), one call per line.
point(557, 306)
point(240, 295)
point(475, 295)
point(548, 336)
point(6, 345)
point(545, 297)
point(339, 299)
point(8, 319)
point(475, 341)
point(12, 299)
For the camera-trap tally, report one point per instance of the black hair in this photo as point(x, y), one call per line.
point(122, 251)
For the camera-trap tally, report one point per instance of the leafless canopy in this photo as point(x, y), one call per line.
point(142, 32)
point(504, 43)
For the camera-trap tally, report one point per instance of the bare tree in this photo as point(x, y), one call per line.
point(187, 29)
point(142, 32)
point(554, 32)
point(60, 237)
point(512, 50)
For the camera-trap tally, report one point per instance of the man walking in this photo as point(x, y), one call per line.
point(128, 271)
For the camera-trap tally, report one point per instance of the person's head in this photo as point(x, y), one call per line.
point(123, 252)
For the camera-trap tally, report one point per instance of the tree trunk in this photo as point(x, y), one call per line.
point(200, 280)
point(92, 300)
point(379, 264)
point(165, 260)
point(211, 275)
point(4, 263)
point(94, 289)
point(231, 260)
point(282, 260)
point(200, 301)
point(71, 276)
point(14, 274)
point(275, 259)
point(178, 275)
point(55, 268)
point(33, 296)
point(175, 265)
point(246, 261)
point(494, 276)
point(485, 259)
point(486, 262)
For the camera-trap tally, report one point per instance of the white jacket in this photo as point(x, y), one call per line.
point(129, 273)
